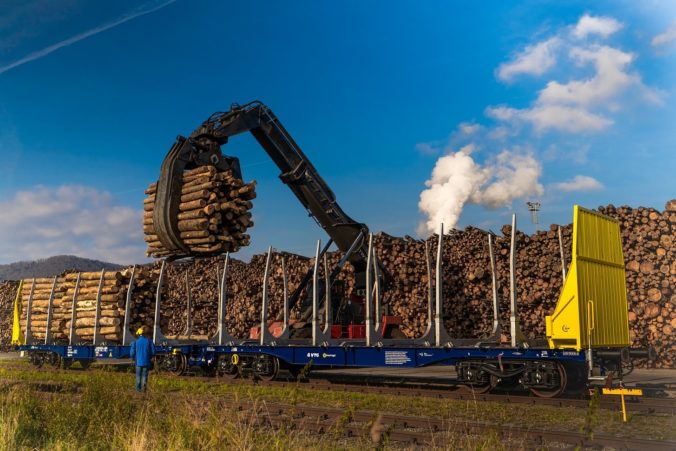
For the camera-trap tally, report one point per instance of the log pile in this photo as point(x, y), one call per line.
point(144, 288)
point(113, 293)
point(649, 239)
point(42, 290)
point(650, 254)
point(648, 248)
point(214, 213)
point(7, 296)
point(244, 291)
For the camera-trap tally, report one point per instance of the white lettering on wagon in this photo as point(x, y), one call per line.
point(396, 357)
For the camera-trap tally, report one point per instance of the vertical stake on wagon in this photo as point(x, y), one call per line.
point(285, 282)
point(563, 257)
point(222, 336)
point(283, 336)
point(48, 330)
point(376, 294)
point(371, 337)
point(440, 333)
point(188, 307)
point(265, 337)
point(328, 308)
point(318, 335)
point(127, 337)
point(517, 336)
point(72, 336)
point(429, 330)
point(97, 315)
point(29, 308)
point(158, 336)
point(497, 330)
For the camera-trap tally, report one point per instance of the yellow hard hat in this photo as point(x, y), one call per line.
point(140, 330)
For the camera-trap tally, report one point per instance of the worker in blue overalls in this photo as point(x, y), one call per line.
point(141, 352)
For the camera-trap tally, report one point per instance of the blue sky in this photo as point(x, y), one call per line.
point(414, 112)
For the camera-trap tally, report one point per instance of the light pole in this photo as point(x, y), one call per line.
point(534, 207)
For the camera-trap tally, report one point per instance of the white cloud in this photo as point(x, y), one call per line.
point(469, 128)
point(589, 25)
point(582, 105)
point(535, 59)
point(427, 149)
point(609, 79)
point(563, 118)
point(457, 180)
point(69, 219)
point(580, 183)
point(551, 117)
point(667, 37)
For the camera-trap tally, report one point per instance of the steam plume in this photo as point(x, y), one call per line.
point(457, 180)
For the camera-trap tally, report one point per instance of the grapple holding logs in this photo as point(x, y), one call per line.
point(212, 214)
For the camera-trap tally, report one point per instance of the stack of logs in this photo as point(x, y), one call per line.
point(113, 293)
point(41, 291)
point(244, 286)
point(7, 296)
point(648, 237)
point(214, 213)
point(648, 241)
point(144, 288)
point(113, 296)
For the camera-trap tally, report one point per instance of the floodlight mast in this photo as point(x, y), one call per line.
point(534, 208)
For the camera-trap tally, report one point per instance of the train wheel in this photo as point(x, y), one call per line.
point(557, 388)
point(37, 359)
point(175, 364)
point(227, 366)
point(266, 367)
point(85, 364)
point(66, 363)
point(54, 360)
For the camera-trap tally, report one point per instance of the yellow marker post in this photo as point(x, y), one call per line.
point(622, 392)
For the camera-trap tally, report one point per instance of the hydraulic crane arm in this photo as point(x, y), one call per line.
point(204, 147)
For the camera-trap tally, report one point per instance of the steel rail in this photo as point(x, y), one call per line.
point(422, 430)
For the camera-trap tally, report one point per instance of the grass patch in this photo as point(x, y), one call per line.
point(100, 410)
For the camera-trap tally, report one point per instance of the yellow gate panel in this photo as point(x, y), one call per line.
point(592, 307)
point(17, 335)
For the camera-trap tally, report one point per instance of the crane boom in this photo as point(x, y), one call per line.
point(297, 172)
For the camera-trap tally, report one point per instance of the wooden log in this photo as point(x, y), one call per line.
point(193, 224)
point(90, 322)
point(199, 203)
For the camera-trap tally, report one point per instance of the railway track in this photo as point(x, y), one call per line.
point(425, 430)
point(434, 388)
point(412, 430)
point(634, 404)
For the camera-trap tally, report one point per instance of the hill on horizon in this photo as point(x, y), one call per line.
point(52, 266)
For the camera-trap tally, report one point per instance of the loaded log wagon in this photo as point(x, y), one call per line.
point(200, 207)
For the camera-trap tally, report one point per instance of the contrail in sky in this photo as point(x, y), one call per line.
point(138, 12)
